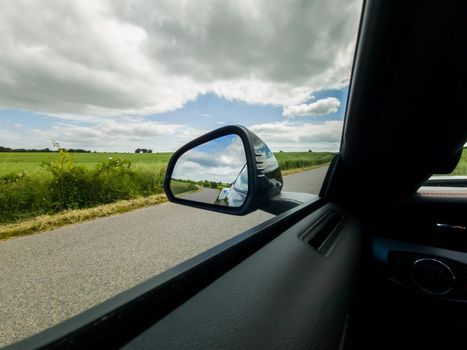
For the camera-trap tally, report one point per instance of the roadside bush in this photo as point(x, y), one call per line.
point(12, 177)
point(22, 197)
point(150, 182)
point(114, 167)
point(68, 186)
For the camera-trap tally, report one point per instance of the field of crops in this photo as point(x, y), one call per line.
point(30, 162)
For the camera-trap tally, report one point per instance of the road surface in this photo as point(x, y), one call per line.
point(309, 180)
point(49, 277)
point(204, 195)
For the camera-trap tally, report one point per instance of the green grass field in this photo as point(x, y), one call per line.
point(30, 162)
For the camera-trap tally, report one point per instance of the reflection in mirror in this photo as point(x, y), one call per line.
point(214, 173)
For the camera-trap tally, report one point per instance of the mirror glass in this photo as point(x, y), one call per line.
point(214, 172)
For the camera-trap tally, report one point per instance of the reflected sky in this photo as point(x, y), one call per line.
point(218, 160)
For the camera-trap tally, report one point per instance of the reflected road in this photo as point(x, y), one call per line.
point(204, 195)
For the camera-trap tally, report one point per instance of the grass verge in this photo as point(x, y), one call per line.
point(48, 222)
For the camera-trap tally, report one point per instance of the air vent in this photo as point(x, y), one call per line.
point(322, 235)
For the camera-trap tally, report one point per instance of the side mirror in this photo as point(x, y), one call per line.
point(229, 170)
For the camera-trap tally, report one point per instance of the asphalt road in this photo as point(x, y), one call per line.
point(205, 195)
point(49, 277)
point(307, 181)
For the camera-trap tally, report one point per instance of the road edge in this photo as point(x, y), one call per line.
point(50, 222)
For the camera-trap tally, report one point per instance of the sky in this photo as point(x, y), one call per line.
point(126, 74)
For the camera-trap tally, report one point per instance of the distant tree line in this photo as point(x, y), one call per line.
point(205, 183)
point(70, 150)
point(77, 150)
point(143, 150)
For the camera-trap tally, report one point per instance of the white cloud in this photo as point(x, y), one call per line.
point(288, 136)
point(321, 107)
point(82, 59)
point(121, 135)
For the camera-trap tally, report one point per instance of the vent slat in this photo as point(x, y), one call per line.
point(322, 235)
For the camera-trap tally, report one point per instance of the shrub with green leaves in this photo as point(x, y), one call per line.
point(12, 177)
point(22, 196)
point(71, 186)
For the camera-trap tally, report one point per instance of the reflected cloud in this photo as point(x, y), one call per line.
point(219, 160)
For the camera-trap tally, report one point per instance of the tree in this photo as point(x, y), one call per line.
point(138, 150)
point(149, 150)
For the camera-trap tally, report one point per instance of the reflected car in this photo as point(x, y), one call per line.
point(235, 195)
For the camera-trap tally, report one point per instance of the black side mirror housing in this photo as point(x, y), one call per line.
point(263, 190)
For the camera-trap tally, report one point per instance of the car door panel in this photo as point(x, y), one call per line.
point(276, 283)
point(287, 295)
